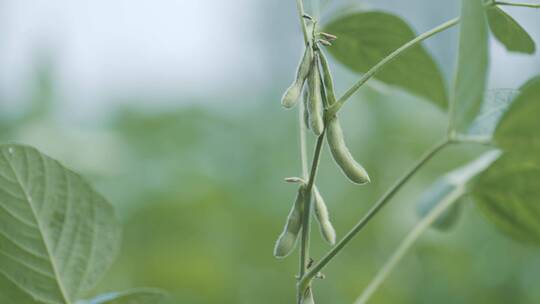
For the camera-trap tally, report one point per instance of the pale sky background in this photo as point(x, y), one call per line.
point(106, 51)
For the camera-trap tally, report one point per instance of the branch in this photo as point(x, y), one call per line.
point(404, 246)
point(531, 5)
point(304, 282)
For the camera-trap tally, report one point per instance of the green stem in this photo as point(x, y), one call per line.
point(404, 247)
point(304, 241)
point(302, 136)
point(304, 247)
point(375, 69)
point(305, 280)
point(300, 9)
point(531, 5)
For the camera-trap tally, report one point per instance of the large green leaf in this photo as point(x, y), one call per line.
point(138, 296)
point(365, 38)
point(471, 74)
point(519, 129)
point(496, 103)
point(453, 186)
point(509, 196)
point(509, 32)
point(57, 235)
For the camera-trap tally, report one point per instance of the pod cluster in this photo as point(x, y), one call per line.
point(286, 241)
point(318, 95)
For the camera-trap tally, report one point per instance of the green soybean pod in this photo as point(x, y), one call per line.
point(287, 239)
point(321, 213)
point(328, 80)
point(315, 105)
point(308, 297)
point(292, 94)
point(343, 158)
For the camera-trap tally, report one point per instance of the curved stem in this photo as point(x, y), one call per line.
point(531, 5)
point(404, 247)
point(304, 282)
point(376, 68)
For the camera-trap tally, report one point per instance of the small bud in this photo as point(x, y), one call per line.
point(327, 36)
point(324, 42)
point(294, 180)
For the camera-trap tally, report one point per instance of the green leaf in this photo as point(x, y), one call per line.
point(440, 191)
point(472, 66)
point(366, 38)
point(508, 195)
point(453, 186)
point(519, 129)
point(57, 235)
point(496, 103)
point(509, 32)
point(138, 296)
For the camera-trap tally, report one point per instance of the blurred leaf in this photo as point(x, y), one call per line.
point(57, 235)
point(509, 196)
point(509, 32)
point(519, 129)
point(453, 186)
point(496, 103)
point(471, 74)
point(366, 38)
point(137, 296)
point(441, 190)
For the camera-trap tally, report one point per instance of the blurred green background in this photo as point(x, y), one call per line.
point(197, 177)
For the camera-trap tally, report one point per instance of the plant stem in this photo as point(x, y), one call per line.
point(376, 68)
point(531, 5)
point(302, 138)
point(304, 242)
point(404, 246)
point(300, 9)
point(304, 281)
point(304, 249)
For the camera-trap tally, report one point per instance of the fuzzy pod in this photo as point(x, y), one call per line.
point(308, 297)
point(327, 78)
point(343, 158)
point(315, 104)
point(321, 214)
point(292, 94)
point(287, 239)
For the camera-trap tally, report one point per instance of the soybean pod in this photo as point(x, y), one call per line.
point(321, 213)
point(327, 78)
point(308, 297)
point(287, 239)
point(343, 158)
point(315, 105)
point(292, 94)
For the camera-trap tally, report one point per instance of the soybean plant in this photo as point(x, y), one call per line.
point(505, 121)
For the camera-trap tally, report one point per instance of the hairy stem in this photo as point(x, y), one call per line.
point(376, 68)
point(403, 248)
point(300, 9)
point(531, 5)
point(304, 282)
point(302, 138)
point(304, 241)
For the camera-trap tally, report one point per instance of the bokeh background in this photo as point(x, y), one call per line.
point(171, 108)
